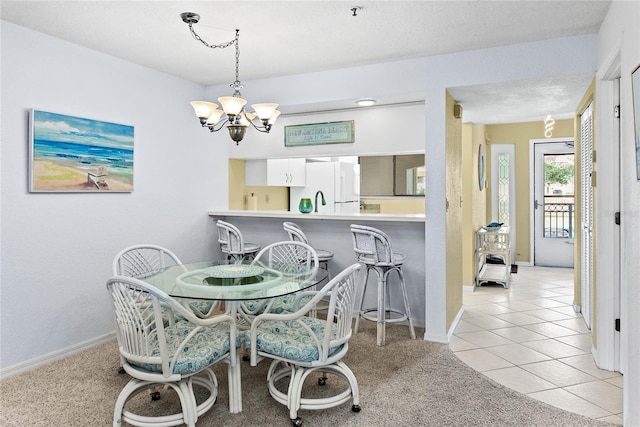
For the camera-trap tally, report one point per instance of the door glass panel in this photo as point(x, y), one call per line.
point(503, 188)
point(559, 220)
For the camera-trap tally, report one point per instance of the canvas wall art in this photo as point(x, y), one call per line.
point(74, 154)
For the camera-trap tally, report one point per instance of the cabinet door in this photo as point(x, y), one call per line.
point(297, 172)
point(286, 172)
point(278, 172)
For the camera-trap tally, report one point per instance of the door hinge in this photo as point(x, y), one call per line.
point(616, 111)
point(616, 218)
point(617, 325)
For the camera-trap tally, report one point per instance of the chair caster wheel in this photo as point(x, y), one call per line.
point(155, 395)
point(121, 371)
point(296, 422)
point(322, 381)
point(356, 408)
point(246, 358)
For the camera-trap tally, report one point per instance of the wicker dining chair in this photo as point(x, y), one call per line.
point(158, 354)
point(300, 344)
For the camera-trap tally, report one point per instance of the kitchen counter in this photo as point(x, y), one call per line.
point(356, 217)
point(330, 231)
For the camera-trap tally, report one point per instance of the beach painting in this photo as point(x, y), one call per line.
point(73, 154)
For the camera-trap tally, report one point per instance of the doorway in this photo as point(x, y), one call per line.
point(553, 203)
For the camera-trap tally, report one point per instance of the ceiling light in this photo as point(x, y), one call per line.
point(366, 102)
point(233, 107)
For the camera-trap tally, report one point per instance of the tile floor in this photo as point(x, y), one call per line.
point(528, 338)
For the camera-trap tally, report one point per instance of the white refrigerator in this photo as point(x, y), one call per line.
point(339, 182)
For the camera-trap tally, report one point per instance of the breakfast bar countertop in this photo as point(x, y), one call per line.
point(320, 216)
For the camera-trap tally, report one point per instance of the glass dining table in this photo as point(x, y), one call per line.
point(233, 284)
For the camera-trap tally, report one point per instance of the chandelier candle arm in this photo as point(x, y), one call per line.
point(233, 107)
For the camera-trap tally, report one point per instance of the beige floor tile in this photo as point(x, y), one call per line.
point(458, 344)
point(464, 326)
point(613, 419)
point(567, 299)
point(558, 373)
point(562, 291)
point(550, 330)
point(492, 308)
point(554, 349)
point(519, 305)
point(582, 341)
point(570, 402)
point(599, 393)
point(518, 334)
point(505, 331)
point(616, 381)
point(519, 318)
point(567, 310)
point(483, 338)
point(585, 363)
point(517, 354)
point(470, 312)
point(577, 324)
point(519, 380)
point(489, 322)
point(547, 303)
point(548, 315)
point(481, 360)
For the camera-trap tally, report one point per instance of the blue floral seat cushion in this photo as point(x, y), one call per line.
point(280, 305)
point(204, 348)
point(289, 340)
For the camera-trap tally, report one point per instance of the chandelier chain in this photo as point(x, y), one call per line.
point(212, 46)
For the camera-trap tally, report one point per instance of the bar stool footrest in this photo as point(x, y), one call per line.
point(372, 315)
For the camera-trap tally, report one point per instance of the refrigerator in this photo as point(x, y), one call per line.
point(339, 182)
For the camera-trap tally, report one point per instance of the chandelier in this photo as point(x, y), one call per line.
point(233, 112)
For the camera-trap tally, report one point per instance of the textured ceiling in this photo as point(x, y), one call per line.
point(280, 38)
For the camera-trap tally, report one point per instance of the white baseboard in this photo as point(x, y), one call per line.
point(445, 339)
point(524, 263)
point(45, 359)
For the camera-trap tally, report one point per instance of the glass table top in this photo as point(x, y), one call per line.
point(218, 280)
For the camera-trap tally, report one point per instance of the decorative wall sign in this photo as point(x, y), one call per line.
point(635, 88)
point(73, 154)
point(319, 133)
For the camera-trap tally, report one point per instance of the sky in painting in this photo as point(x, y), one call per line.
point(62, 128)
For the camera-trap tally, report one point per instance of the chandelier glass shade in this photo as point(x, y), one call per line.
point(232, 111)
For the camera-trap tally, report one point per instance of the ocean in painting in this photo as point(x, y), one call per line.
point(90, 155)
point(67, 153)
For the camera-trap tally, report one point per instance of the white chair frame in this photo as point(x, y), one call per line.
point(337, 332)
point(232, 243)
point(139, 315)
point(281, 256)
point(373, 249)
point(296, 234)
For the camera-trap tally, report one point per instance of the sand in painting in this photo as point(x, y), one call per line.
point(61, 175)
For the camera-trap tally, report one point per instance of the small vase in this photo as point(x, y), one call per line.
point(305, 206)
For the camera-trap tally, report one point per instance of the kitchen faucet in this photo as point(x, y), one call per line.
point(322, 199)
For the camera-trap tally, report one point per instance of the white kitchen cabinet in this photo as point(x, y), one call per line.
point(286, 172)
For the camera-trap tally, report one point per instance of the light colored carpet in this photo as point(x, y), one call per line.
point(407, 382)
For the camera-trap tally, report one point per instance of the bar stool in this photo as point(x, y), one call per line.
point(373, 249)
point(232, 243)
point(297, 235)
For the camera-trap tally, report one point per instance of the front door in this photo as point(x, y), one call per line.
point(554, 209)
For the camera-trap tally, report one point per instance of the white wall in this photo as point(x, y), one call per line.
point(620, 35)
point(57, 248)
point(374, 133)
